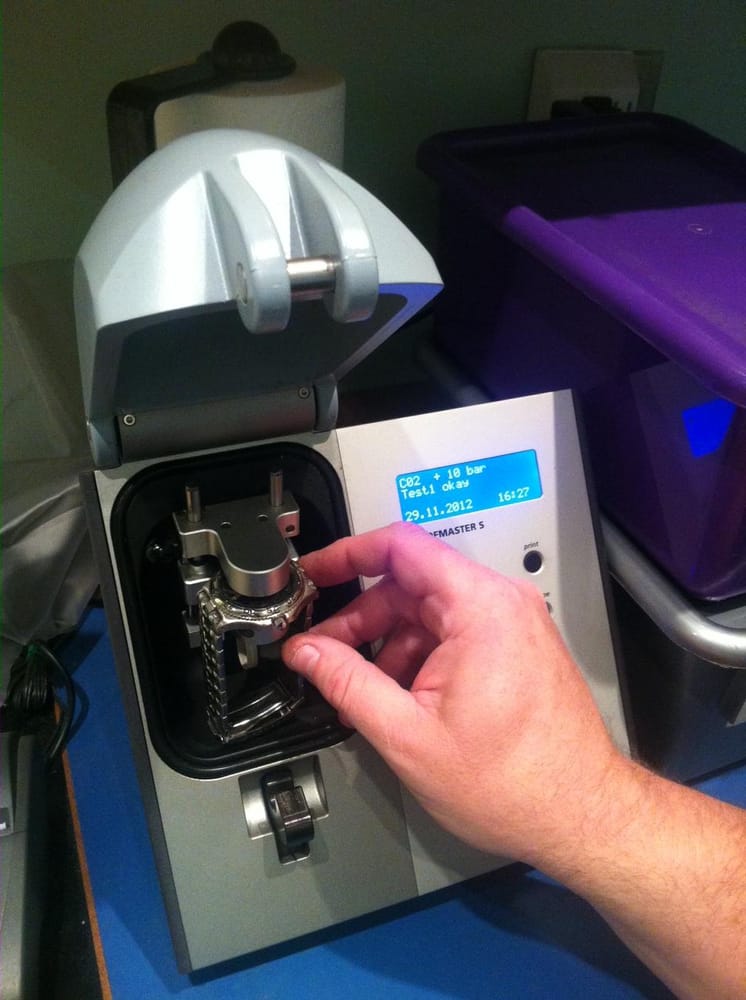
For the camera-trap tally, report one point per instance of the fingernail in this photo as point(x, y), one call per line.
point(304, 657)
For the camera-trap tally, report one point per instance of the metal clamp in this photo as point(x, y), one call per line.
point(244, 592)
point(248, 537)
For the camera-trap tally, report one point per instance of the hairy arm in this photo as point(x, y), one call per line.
point(666, 867)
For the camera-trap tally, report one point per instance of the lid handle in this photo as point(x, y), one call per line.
point(286, 230)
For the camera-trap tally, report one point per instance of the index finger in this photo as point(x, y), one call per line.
point(420, 564)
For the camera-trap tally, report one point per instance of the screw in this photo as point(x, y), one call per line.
point(304, 392)
point(129, 420)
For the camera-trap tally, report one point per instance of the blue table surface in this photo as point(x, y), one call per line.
point(510, 934)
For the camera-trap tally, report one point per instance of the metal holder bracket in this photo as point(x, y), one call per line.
point(243, 585)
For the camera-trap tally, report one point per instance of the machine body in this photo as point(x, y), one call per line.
point(226, 287)
point(293, 828)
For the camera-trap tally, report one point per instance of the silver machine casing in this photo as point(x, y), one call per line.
point(210, 352)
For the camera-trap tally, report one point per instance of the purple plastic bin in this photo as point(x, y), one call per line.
point(609, 255)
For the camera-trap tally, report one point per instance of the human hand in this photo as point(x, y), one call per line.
point(473, 699)
point(477, 706)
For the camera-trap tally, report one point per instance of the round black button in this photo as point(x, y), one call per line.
point(533, 561)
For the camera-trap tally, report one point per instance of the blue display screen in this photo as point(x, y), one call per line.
point(468, 487)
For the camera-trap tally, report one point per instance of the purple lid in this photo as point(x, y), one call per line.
point(644, 214)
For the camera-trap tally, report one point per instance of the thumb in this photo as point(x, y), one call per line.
point(368, 699)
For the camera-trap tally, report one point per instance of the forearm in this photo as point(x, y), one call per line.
point(666, 867)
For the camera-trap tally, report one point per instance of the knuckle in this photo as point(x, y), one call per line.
point(401, 531)
point(529, 594)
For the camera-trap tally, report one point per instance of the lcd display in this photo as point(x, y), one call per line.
point(468, 487)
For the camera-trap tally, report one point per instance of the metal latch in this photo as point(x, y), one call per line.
point(289, 815)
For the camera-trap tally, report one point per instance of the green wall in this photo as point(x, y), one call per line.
point(413, 67)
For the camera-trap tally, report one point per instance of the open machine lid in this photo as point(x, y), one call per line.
point(226, 286)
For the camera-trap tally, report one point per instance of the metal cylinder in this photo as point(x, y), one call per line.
point(193, 504)
point(311, 277)
point(275, 488)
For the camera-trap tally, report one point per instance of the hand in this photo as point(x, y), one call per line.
point(473, 699)
point(478, 707)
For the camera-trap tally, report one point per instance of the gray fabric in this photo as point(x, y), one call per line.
point(48, 574)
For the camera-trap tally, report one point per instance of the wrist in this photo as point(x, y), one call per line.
point(592, 817)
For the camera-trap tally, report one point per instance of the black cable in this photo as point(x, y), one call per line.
point(34, 678)
point(67, 708)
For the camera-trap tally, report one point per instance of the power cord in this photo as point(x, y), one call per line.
point(35, 679)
